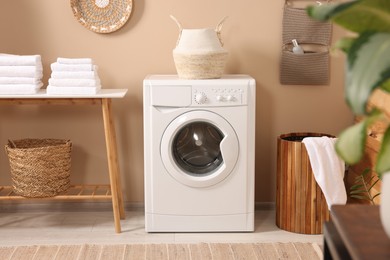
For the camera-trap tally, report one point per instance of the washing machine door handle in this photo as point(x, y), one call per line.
point(229, 150)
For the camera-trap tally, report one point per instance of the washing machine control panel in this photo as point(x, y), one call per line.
point(219, 96)
point(200, 98)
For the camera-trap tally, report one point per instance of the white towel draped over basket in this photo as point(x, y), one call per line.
point(327, 167)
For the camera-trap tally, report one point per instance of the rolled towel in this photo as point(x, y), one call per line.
point(21, 71)
point(19, 89)
point(20, 60)
point(328, 168)
point(74, 61)
point(74, 82)
point(74, 75)
point(52, 90)
point(72, 67)
point(19, 80)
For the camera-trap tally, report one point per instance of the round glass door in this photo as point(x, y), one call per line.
point(199, 148)
point(196, 148)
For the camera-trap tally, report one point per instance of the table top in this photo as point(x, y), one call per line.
point(103, 93)
point(361, 230)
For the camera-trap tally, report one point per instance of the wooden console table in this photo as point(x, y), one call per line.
point(355, 232)
point(81, 192)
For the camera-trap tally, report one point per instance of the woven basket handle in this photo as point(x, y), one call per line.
point(11, 144)
point(178, 25)
point(218, 29)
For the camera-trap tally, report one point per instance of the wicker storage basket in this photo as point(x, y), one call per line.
point(200, 66)
point(199, 53)
point(39, 167)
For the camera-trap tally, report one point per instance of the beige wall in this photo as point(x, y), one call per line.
point(143, 46)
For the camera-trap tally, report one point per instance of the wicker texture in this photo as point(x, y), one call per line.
point(39, 167)
point(102, 16)
point(199, 53)
point(200, 66)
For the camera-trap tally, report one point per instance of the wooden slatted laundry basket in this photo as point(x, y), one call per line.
point(300, 204)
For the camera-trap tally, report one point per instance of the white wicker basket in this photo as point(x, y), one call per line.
point(199, 53)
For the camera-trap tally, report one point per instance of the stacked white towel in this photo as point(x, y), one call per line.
point(73, 76)
point(20, 74)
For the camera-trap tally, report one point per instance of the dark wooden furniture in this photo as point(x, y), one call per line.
point(355, 232)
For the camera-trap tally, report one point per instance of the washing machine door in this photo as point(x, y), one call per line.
point(199, 148)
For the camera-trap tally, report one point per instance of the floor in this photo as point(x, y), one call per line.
point(39, 227)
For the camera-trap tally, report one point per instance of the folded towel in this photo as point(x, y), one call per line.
point(74, 75)
point(20, 60)
point(37, 85)
point(72, 67)
point(328, 168)
point(74, 82)
point(21, 71)
point(52, 90)
point(74, 61)
point(19, 80)
point(19, 89)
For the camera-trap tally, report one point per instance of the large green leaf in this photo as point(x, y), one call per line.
point(357, 16)
point(368, 67)
point(351, 142)
point(368, 56)
point(383, 160)
point(386, 85)
point(328, 11)
point(345, 44)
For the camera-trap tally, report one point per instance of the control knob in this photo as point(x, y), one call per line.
point(200, 98)
point(219, 98)
point(230, 98)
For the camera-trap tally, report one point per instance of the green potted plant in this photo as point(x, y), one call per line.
point(367, 69)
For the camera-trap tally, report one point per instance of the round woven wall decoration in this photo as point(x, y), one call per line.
point(102, 16)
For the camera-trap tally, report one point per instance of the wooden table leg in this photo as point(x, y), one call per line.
point(114, 151)
point(113, 168)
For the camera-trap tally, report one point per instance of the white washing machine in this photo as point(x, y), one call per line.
point(199, 138)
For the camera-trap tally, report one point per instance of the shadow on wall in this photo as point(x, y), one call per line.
point(79, 158)
point(252, 60)
point(132, 177)
point(25, 121)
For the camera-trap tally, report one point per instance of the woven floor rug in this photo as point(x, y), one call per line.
point(223, 251)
